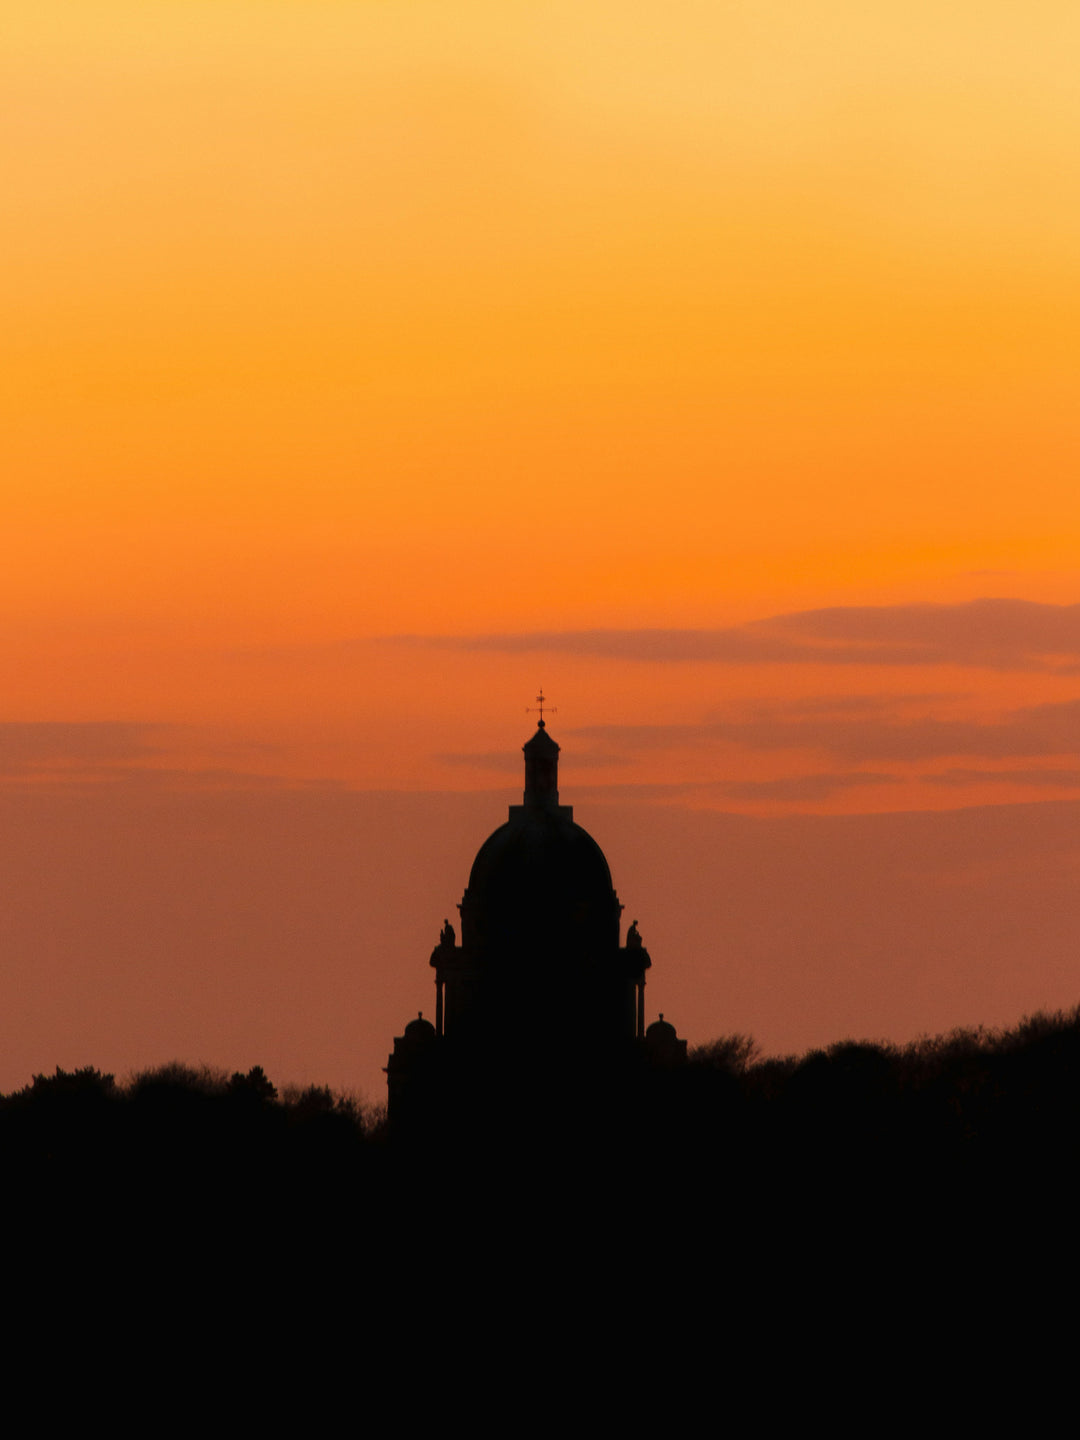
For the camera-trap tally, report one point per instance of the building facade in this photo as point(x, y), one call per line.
point(540, 980)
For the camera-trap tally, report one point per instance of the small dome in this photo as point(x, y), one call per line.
point(662, 1043)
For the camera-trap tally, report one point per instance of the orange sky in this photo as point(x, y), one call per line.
point(368, 365)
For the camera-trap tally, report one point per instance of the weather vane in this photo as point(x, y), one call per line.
point(540, 706)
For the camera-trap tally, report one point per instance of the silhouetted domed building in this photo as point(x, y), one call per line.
point(539, 978)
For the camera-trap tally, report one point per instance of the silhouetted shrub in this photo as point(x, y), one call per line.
point(732, 1053)
point(253, 1087)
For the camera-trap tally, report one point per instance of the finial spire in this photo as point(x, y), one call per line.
point(541, 765)
point(540, 702)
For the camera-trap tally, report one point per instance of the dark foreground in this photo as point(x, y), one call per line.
point(782, 1224)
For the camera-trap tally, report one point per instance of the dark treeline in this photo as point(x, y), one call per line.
point(968, 1107)
point(184, 1140)
point(724, 1212)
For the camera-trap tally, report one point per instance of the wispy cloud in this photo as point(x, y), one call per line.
point(28, 747)
point(996, 634)
point(730, 647)
point(803, 787)
point(120, 755)
point(863, 734)
point(1043, 779)
point(790, 788)
point(993, 633)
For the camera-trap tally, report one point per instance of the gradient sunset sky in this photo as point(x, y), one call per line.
point(367, 366)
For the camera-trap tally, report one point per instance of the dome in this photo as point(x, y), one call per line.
point(540, 884)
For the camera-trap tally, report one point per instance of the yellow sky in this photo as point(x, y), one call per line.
point(328, 321)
